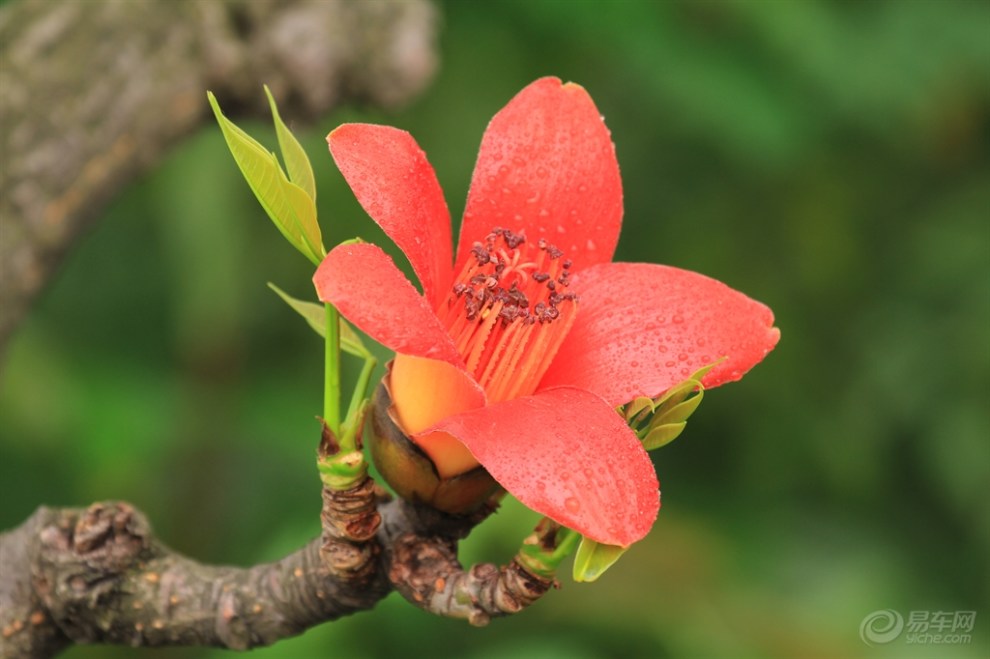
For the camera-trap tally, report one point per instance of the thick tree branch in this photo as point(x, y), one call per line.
point(100, 576)
point(95, 93)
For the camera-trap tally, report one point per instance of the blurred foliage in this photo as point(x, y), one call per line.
point(831, 159)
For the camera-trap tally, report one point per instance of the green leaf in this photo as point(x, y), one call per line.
point(289, 206)
point(681, 411)
point(593, 558)
point(315, 315)
point(675, 395)
point(302, 210)
point(663, 434)
point(296, 161)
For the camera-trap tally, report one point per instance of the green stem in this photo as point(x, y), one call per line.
point(362, 385)
point(331, 373)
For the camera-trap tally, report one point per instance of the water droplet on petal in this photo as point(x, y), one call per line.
point(572, 504)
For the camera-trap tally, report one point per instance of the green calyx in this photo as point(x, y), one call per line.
point(412, 475)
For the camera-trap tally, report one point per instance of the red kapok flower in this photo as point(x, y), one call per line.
point(516, 357)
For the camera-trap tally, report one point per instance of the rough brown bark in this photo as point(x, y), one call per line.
point(94, 93)
point(100, 576)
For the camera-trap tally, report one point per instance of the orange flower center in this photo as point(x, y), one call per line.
point(509, 311)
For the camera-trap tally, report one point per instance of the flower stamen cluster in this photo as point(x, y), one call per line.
point(507, 313)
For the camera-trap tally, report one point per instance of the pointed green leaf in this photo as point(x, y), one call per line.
point(302, 211)
point(296, 161)
point(675, 395)
point(681, 411)
point(593, 558)
point(288, 205)
point(703, 371)
point(662, 434)
point(315, 315)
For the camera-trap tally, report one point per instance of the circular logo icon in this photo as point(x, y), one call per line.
point(881, 627)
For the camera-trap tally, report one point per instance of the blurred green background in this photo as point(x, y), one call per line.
point(831, 159)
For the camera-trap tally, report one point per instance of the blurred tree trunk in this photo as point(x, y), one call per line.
point(95, 93)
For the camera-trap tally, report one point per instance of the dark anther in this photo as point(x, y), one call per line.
point(552, 286)
point(513, 240)
point(472, 307)
point(567, 264)
point(508, 314)
point(554, 253)
point(459, 289)
point(543, 243)
point(517, 297)
point(541, 276)
point(481, 254)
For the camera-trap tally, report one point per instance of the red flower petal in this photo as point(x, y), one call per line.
point(547, 167)
point(642, 328)
point(566, 454)
point(366, 287)
point(398, 188)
